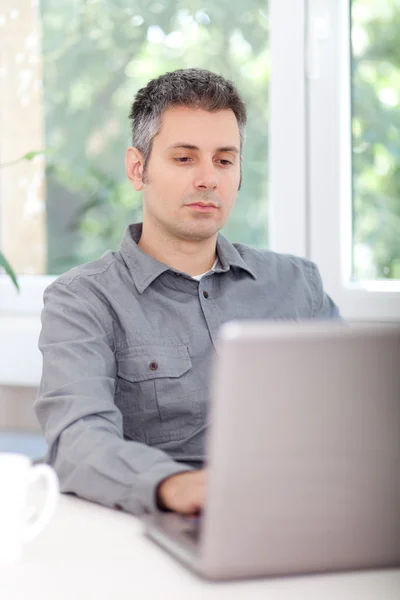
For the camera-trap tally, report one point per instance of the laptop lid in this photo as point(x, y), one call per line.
point(304, 450)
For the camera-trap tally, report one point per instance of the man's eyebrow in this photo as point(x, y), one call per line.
point(192, 147)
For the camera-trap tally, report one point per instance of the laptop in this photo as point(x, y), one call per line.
point(303, 454)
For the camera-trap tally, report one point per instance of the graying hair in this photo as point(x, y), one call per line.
point(195, 88)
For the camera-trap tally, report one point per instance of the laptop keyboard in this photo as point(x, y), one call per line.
point(194, 529)
point(193, 533)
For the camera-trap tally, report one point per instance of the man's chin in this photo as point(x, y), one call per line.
point(198, 232)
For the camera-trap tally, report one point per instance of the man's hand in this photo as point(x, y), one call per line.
point(183, 493)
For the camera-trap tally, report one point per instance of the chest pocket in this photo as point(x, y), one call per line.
point(156, 393)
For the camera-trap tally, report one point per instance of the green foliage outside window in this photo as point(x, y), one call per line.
point(376, 138)
point(97, 54)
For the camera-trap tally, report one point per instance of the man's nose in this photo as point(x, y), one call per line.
point(206, 179)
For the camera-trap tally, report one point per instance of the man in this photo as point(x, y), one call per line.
point(128, 339)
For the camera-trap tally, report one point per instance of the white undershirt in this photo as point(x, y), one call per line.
point(198, 277)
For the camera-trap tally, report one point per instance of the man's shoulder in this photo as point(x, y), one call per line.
point(263, 261)
point(86, 271)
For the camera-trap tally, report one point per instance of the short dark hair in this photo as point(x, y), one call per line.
point(195, 88)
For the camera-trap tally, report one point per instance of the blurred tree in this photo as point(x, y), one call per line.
point(376, 138)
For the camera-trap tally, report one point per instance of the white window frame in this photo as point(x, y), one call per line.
point(287, 197)
point(329, 168)
point(29, 301)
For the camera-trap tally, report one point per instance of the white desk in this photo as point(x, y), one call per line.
point(90, 552)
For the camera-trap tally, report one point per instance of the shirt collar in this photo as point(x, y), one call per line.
point(229, 256)
point(145, 269)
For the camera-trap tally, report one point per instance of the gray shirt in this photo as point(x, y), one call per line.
point(127, 346)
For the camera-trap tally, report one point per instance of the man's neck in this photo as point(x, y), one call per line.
point(193, 258)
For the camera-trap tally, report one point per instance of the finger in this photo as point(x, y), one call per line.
point(189, 503)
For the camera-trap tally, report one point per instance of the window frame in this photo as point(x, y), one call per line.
point(330, 172)
point(287, 196)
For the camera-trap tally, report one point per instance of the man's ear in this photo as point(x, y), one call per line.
point(134, 165)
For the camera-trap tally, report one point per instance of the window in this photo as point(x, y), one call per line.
point(321, 166)
point(376, 139)
point(22, 214)
point(95, 56)
point(353, 154)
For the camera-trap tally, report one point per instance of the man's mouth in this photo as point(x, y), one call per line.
point(202, 206)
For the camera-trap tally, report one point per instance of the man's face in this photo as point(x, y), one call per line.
point(193, 174)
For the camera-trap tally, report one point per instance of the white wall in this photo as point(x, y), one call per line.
point(20, 358)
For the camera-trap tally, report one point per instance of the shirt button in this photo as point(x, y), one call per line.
point(153, 366)
point(205, 294)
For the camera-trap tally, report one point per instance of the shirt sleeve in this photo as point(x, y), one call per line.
point(324, 307)
point(76, 410)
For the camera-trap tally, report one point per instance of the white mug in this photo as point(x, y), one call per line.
point(17, 475)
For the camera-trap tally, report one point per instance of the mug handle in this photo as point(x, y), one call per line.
point(37, 473)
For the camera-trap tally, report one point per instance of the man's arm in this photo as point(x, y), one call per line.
point(324, 306)
point(75, 407)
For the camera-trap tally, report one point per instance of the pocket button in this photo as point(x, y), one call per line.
point(153, 366)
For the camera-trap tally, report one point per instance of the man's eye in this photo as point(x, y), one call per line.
point(183, 159)
point(225, 162)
